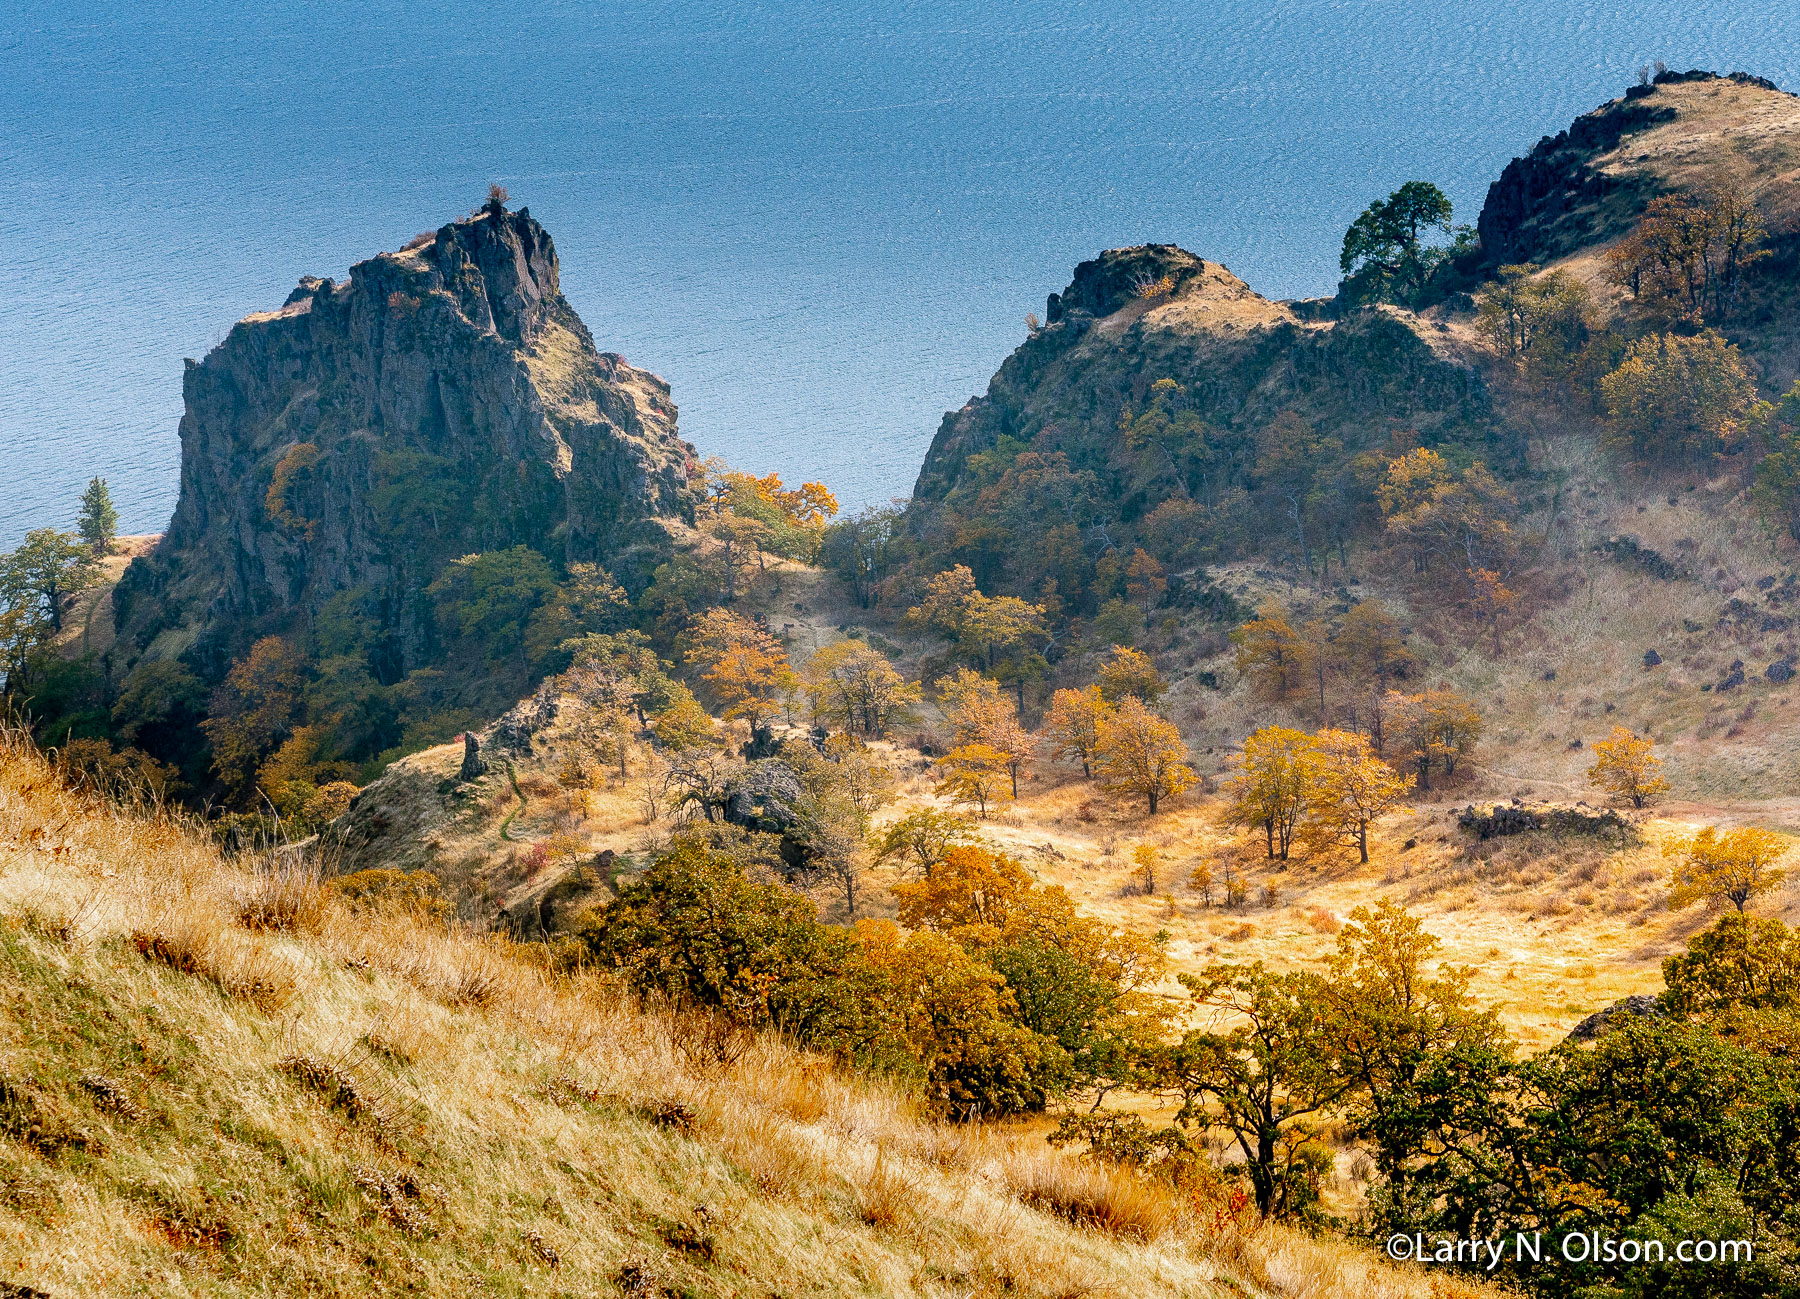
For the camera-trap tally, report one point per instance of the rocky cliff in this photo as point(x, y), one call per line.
point(1584, 186)
point(444, 399)
point(1135, 316)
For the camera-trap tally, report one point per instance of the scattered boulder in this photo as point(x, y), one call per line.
point(1632, 553)
point(1640, 1006)
point(1780, 672)
point(1651, 658)
point(1734, 678)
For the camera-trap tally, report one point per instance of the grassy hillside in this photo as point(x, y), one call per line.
point(223, 1083)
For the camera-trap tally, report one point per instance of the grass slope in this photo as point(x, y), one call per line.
point(218, 1083)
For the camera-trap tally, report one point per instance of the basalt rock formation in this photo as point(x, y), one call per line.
point(443, 400)
point(1587, 184)
point(1135, 316)
point(1579, 191)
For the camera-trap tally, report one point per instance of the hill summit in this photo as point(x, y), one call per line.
point(443, 400)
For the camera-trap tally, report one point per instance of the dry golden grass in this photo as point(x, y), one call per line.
point(369, 1105)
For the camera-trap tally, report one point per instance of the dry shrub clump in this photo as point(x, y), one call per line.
point(773, 1156)
point(339, 1087)
point(454, 967)
point(1112, 1200)
point(671, 1115)
point(110, 1095)
point(398, 1196)
point(194, 938)
point(38, 1120)
point(887, 1197)
point(407, 1031)
point(286, 897)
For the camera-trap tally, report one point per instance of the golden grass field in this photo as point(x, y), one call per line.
point(219, 1082)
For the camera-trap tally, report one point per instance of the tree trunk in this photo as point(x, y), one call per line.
point(1262, 1171)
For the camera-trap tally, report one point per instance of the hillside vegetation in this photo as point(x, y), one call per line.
point(223, 1080)
point(1293, 773)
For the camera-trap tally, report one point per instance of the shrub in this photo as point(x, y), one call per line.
point(286, 897)
point(696, 930)
point(384, 889)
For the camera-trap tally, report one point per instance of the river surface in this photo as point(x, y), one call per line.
point(822, 223)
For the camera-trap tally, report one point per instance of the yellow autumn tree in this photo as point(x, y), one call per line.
point(1138, 752)
point(1350, 789)
point(1733, 867)
point(1273, 784)
point(792, 522)
point(1625, 768)
point(1130, 672)
point(1073, 724)
point(1270, 653)
point(975, 775)
point(856, 686)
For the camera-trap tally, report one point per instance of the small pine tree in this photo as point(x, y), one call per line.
point(99, 520)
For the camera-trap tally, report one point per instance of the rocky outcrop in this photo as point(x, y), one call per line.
point(1620, 1013)
point(444, 399)
point(474, 766)
point(1120, 275)
point(1557, 197)
point(1587, 185)
point(1518, 818)
point(1133, 316)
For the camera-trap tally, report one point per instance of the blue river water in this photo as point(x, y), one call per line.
point(822, 223)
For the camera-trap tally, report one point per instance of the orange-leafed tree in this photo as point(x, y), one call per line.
point(1491, 600)
point(744, 666)
point(980, 715)
point(971, 885)
point(855, 685)
point(1138, 752)
point(1434, 728)
point(793, 522)
point(1270, 653)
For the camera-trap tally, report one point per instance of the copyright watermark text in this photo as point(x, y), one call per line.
point(1575, 1247)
